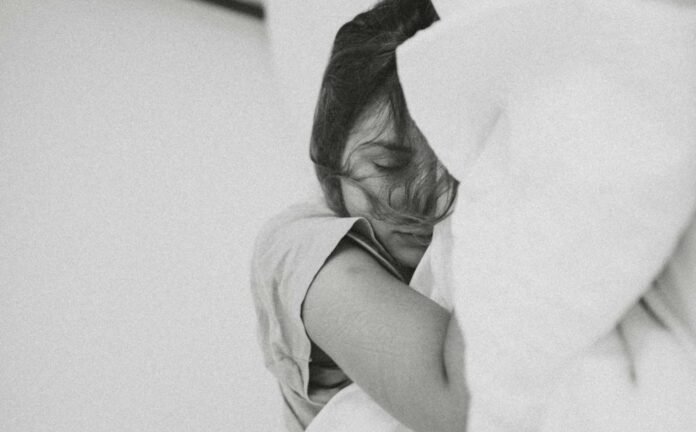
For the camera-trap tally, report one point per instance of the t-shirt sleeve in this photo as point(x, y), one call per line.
point(290, 250)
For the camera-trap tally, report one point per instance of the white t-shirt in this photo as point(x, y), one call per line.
point(289, 251)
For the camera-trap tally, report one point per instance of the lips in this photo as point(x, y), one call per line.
point(413, 237)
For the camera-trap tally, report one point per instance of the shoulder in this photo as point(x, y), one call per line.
point(289, 251)
point(298, 233)
point(300, 216)
point(350, 258)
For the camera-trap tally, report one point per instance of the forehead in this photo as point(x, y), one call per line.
point(375, 124)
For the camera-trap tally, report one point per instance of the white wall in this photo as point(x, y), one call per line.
point(301, 34)
point(141, 145)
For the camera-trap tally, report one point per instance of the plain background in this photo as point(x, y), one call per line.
point(140, 151)
point(142, 144)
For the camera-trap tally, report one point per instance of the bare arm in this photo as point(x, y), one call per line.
point(400, 347)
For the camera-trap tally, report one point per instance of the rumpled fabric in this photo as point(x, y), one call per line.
point(571, 126)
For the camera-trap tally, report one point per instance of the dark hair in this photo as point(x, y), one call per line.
point(361, 79)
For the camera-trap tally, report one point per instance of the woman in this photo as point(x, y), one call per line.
point(575, 128)
point(340, 278)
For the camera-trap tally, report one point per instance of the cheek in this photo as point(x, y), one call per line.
point(358, 205)
point(354, 200)
point(398, 197)
point(379, 187)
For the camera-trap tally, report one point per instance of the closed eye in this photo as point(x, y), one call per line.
point(388, 165)
point(391, 160)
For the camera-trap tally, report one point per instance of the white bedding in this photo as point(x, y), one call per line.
point(572, 127)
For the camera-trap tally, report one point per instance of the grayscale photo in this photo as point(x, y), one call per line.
point(348, 215)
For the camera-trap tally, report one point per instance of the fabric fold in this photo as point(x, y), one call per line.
point(572, 128)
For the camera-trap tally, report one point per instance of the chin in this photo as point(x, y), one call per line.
point(410, 257)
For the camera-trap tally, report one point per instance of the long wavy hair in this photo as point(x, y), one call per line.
point(361, 80)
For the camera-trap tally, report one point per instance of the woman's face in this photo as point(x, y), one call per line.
point(373, 153)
